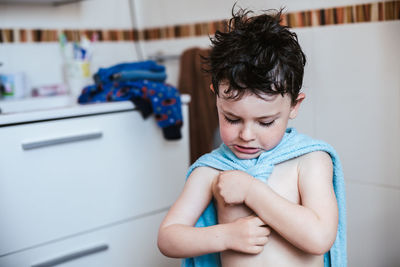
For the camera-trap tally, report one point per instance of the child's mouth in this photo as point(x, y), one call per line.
point(246, 150)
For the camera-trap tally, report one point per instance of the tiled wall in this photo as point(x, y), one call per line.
point(370, 12)
point(352, 86)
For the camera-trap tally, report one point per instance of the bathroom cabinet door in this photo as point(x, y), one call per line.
point(128, 244)
point(62, 178)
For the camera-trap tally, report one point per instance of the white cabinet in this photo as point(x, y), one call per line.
point(129, 244)
point(65, 179)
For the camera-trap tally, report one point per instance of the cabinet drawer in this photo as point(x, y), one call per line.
point(62, 178)
point(128, 244)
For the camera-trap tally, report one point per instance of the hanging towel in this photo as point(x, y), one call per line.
point(292, 145)
point(202, 109)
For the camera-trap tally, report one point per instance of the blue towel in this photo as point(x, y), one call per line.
point(292, 145)
point(134, 75)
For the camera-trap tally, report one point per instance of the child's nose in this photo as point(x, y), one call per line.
point(247, 134)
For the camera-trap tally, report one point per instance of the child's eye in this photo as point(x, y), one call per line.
point(231, 121)
point(267, 124)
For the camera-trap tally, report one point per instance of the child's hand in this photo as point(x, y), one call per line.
point(248, 235)
point(232, 186)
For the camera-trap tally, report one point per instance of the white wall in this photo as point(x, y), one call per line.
point(352, 82)
point(182, 11)
point(42, 62)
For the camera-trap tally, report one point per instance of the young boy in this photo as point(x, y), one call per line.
point(274, 193)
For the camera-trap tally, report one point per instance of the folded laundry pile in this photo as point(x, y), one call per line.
point(143, 83)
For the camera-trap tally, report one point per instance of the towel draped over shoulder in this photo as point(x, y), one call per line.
point(291, 146)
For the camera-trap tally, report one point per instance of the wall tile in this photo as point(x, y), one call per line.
point(358, 99)
point(373, 219)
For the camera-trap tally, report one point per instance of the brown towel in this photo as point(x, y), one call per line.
point(202, 110)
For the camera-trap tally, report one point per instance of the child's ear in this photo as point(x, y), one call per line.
point(212, 88)
point(295, 108)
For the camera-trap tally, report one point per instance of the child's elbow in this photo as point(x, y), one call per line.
point(320, 245)
point(163, 249)
point(163, 244)
point(318, 250)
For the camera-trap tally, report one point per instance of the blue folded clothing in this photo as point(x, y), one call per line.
point(143, 84)
point(292, 145)
point(134, 75)
point(105, 75)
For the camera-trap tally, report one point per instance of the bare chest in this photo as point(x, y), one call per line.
point(284, 180)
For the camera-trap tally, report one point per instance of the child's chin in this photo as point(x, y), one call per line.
point(246, 156)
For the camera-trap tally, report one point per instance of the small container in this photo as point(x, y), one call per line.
point(77, 76)
point(13, 85)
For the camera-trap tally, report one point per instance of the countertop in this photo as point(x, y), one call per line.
point(30, 110)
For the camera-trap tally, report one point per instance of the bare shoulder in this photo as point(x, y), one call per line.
point(207, 171)
point(315, 163)
point(203, 174)
point(194, 198)
point(316, 159)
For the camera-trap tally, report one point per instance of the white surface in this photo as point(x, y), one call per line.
point(354, 79)
point(373, 222)
point(131, 244)
point(19, 111)
point(48, 2)
point(358, 105)
point(25, 57)
point(42, 62)
point(81, 15)
point(60, 191)
point(68, 111)
point(182, 11)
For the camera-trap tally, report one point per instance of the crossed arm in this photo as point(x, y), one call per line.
point(177, 235)
point(310, 226)
point(179, 238)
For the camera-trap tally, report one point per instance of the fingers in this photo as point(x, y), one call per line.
point(256, 220)
point(251, 235)
point(257, 245)
point(261, 241)
point(262, 232)
point(255, 249)
point(263, 229)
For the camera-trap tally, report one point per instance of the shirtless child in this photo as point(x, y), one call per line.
point(291, 219)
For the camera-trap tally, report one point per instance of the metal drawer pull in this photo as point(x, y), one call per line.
point(61, 140)
point(72, 256)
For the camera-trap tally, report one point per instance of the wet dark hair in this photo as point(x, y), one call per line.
point(257, 54)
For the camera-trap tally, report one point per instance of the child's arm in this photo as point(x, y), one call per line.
point(179, 238)
point(311, 225)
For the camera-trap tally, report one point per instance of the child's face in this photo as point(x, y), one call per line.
point(251, 125)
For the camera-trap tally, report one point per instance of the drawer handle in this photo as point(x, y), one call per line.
point(72, 256)
point(61, 140)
